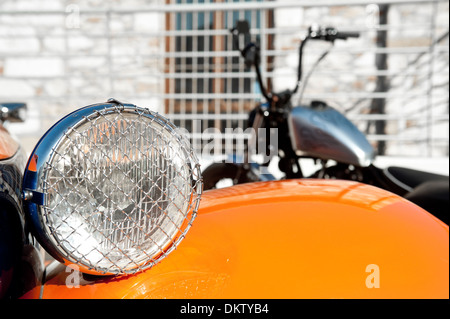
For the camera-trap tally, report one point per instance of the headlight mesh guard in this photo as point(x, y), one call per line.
point(122, 188)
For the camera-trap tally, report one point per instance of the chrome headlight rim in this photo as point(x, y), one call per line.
point(35, 195)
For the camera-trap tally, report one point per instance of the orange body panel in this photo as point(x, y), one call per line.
point(8, 146)
point(292, 239)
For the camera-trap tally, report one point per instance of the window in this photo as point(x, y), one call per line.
point(205, 79)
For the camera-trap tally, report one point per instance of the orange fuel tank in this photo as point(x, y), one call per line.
point(291, 239)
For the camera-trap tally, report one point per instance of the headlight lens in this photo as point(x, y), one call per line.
point(120, 188)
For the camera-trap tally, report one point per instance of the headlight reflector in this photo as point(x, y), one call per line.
point(120, 188)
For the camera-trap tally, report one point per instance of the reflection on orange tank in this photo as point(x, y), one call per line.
point(292, 239)
point(8, 146)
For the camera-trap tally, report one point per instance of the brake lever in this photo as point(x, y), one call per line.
point(242, 28)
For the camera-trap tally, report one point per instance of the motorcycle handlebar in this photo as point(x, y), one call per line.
point(251, 52)
point(329, 34)
point(346, 35)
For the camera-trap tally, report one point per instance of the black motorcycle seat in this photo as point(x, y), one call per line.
point(433, 196)
point(413, 178)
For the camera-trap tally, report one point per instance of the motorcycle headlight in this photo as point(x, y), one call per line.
point(112, 188)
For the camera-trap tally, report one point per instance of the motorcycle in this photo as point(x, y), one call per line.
point(319, 132)
point(113, 193)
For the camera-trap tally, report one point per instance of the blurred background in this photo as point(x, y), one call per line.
point(175, 57)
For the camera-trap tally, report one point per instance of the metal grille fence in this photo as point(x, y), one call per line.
point(175, 57)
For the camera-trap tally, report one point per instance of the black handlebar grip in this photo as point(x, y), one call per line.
point(345, 35)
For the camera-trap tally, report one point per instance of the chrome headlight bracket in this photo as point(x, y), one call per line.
point(112, 188)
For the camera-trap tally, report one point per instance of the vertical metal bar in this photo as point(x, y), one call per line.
point(172, 64)
point(218, 62)
point(195, 48)
point(229, 65)
point(168, 62)
point(183, 67)
point(207, 69)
